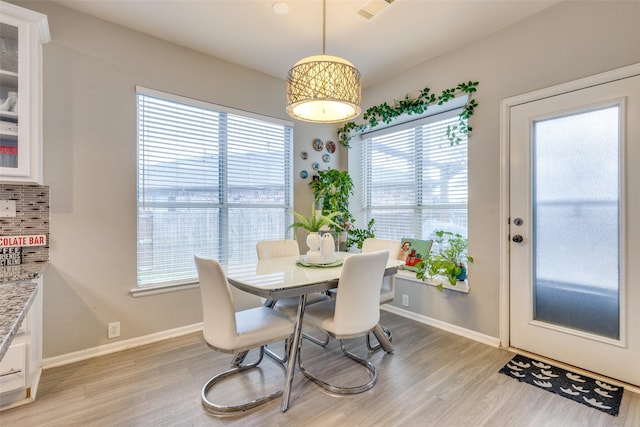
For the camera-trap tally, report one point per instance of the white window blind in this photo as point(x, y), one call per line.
point(211, 181)
point(414, 181)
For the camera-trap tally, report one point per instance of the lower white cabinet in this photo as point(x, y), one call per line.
point(21, 365)
point(12, 368)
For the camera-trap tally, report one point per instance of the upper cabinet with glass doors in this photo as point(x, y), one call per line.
point(22, 33)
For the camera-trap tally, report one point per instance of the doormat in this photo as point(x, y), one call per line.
point(586, 390)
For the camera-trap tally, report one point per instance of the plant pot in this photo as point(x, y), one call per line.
point(314, 242)
point(463, 274)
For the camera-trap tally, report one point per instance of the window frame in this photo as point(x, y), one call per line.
point(224, 204)
point(448, 111)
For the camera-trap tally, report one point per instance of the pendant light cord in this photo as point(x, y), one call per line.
point(324, 25)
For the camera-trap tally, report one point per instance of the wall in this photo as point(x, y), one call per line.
point(566, 42)
point(91, 68)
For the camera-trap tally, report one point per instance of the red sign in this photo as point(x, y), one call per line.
point(13, 241)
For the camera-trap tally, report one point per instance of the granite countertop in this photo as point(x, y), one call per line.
point(16, 296)
point(15, 301)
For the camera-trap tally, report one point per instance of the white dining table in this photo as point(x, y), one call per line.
point(285, 277)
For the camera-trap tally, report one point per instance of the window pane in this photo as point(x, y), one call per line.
point(168, 239)
point(415, 182)
point(195, 161)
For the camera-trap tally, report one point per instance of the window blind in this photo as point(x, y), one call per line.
point(211, 181)
point(414, 181)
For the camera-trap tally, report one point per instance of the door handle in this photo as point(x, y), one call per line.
point(517, 238)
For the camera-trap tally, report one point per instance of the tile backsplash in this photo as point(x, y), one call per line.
point(32, 217)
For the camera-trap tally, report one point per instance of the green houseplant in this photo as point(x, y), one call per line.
point(331, 191)
point(355, 236)
point(313, 225)
point(315, 222)
point(450, 260)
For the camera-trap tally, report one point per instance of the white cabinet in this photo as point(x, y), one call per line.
point(22, 33)
point(21, 366)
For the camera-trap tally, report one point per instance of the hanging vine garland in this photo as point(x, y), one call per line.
point(385, 113)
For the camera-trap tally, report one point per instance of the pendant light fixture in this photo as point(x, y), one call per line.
point(323, 88)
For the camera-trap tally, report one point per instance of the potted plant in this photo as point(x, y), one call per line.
point(331, 191)
point(313, 224)
point(450, 260)
point(358, 235)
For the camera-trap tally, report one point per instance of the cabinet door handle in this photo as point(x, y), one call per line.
point(10, 372)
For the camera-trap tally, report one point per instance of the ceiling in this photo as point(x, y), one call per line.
point(251, 34)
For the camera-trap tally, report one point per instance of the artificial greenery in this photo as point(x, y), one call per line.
point(332, 190)
point(449, 261)
point(315, 222)
point(355, 236)
point(385, 113)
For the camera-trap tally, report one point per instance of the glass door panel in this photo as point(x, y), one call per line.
point(576, 221)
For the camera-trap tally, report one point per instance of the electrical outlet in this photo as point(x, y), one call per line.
point(7, 208)
point(405, 300)
point(114, 330)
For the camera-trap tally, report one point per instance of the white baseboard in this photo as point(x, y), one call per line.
point(457, 330)
point(65, 359)
point(77, 356)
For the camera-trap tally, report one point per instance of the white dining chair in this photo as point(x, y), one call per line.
point(388, 287)
point(229, 331)
point(268, 249)
point(353, 313)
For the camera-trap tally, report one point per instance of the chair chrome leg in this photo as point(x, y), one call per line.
point(375, 347)
point(338, 389)
point(239, 358)
point(321, 343)
point(217, 409)
point(273, 355)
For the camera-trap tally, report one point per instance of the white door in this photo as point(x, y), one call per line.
point(575, 226)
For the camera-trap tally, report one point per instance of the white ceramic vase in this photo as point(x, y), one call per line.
point(328, 248)
point(314, 242)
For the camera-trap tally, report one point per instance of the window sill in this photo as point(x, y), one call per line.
point(162, 289)
point(462, 286)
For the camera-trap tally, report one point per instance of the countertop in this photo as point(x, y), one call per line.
point(15, 301)
point(16, 296)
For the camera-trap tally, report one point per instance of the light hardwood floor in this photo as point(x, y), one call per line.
point(433, 379)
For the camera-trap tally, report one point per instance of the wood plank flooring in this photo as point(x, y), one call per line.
point(433, 379)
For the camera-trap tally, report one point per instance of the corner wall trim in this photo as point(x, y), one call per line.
point(448, 327)
point(77, 356)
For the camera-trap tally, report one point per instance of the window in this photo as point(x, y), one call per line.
point(211, 181)
point(414, 181)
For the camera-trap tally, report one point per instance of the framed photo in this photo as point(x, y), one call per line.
point(413, 251)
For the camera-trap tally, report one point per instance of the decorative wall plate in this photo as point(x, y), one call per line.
point(317, 144)
point(331, 146)
point(326, 158)
point(315, 166)
point(304, 174)
point(304, 155)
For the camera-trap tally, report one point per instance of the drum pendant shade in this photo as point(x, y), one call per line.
point(323, 88)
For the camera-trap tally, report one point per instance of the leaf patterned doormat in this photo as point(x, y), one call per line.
point(580, 388)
